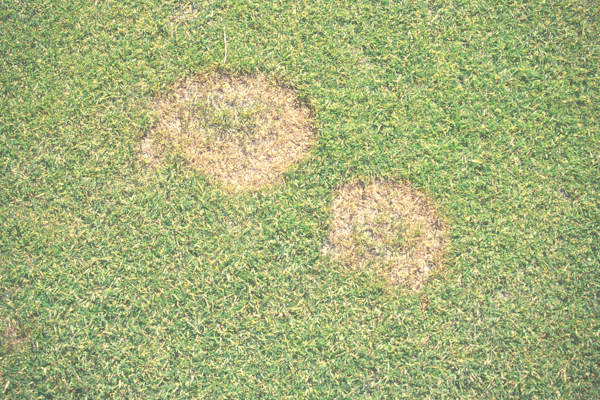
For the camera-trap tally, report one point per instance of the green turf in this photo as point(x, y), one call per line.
point(129, 283)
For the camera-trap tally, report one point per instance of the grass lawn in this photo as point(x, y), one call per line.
point(120, 281)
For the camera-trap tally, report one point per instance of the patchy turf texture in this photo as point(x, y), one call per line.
point(124, 281)
point(388, 228)
point(242, 130)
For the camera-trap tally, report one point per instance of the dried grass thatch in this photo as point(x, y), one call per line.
point(388, 227)
point(244, 131)
point(12, 336)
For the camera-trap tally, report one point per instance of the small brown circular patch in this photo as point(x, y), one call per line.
point(244, 131)
point(12, 336)
point(387, 227)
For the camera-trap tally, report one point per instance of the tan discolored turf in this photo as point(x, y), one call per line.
point(244, 131)
point(389, 228)
point(11, 336)
point(186, 13)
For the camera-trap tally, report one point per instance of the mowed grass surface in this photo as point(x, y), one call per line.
point(122, 282)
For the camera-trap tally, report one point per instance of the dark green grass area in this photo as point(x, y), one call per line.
point(124, 282)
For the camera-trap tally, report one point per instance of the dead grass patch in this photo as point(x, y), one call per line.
point(244, 131)
point(12, 336)
point(388, 227)
point(186, 13)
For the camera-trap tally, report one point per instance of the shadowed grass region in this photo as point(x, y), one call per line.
point(235, 199)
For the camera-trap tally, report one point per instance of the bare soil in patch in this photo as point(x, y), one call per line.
point(387, 227)
point(244, 131)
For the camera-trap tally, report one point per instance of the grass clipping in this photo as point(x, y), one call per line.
point(243, 131)
point(389, 228)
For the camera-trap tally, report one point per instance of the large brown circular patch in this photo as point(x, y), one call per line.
point(243, 130)
point(389, 228)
